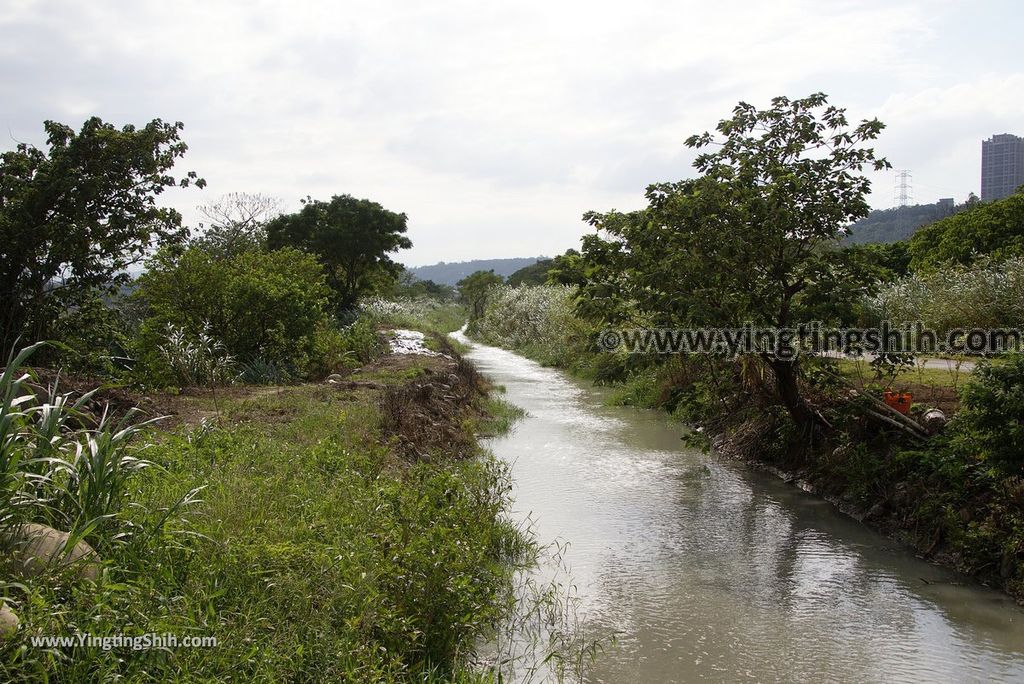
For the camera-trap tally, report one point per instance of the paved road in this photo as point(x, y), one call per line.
point(966, 366)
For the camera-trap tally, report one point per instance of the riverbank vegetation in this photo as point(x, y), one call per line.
point(308, 528)
point(223, 446)
point(755, 238)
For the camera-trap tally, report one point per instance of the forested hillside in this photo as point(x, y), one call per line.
point(893, 225)
point(451, 273)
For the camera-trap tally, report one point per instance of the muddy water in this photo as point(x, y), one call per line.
point(706, 571)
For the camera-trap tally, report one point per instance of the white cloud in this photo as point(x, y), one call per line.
point(496, 126)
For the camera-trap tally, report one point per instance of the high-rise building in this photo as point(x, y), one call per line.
point(1002, 166)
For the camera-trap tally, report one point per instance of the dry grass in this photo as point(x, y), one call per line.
point(428, 415)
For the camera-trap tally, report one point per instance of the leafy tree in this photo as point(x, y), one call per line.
point(351, 237)
point(752, 239)
point(993, 229)
point(74, 217)
point(567, 269)
point(473, 291)
point(893, 258)
point(237, 222)
point(265, 306)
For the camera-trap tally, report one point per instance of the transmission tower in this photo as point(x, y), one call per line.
point(902, 197)
point(903, 193)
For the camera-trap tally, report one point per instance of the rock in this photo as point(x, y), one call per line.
point(38, 547)
point(334, 378)
point(9, 621)
point(806, 486)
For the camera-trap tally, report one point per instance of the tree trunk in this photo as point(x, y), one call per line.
point(786, 385)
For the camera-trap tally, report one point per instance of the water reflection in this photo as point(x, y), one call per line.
point(707, 571)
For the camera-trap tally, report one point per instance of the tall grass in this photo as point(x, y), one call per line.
point(59, 465)
point(984, 295)
point(421, 313)
point(201, 360)
point(536, 320)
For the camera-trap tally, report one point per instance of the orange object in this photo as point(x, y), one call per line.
point(899, 400)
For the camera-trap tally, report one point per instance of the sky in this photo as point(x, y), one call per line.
point(495, 126)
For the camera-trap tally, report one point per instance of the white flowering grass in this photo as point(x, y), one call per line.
point(419, 313)
point(538, 320)
point(981, 296)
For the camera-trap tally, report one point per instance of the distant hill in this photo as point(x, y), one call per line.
point(893, 225)
point(452, 273)
point(534, 274)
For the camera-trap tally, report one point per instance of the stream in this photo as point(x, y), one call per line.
point(706, 570)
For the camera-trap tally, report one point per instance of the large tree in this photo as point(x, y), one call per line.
point(751, 239)
point(74, 217)
point(351, 237)
point(474, 289)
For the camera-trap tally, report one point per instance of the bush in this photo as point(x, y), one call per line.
point(991, 420)
point(263, 307)
point(93, 336)
point(199, 361)
point(336, 350)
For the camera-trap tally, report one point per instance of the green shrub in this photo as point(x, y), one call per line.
point(335, 350)
point(197, 361)
point(266, 306)
point(93, 337)
point(993, 410)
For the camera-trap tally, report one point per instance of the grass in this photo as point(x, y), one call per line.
point(440, 317)
point(951, 376)
point(290, 529)
point(938, 387)
point(391, 375)
point(498, 418)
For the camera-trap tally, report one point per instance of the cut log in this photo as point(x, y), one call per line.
point(917, 434)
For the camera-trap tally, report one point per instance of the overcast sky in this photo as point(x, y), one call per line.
point(494, 126)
